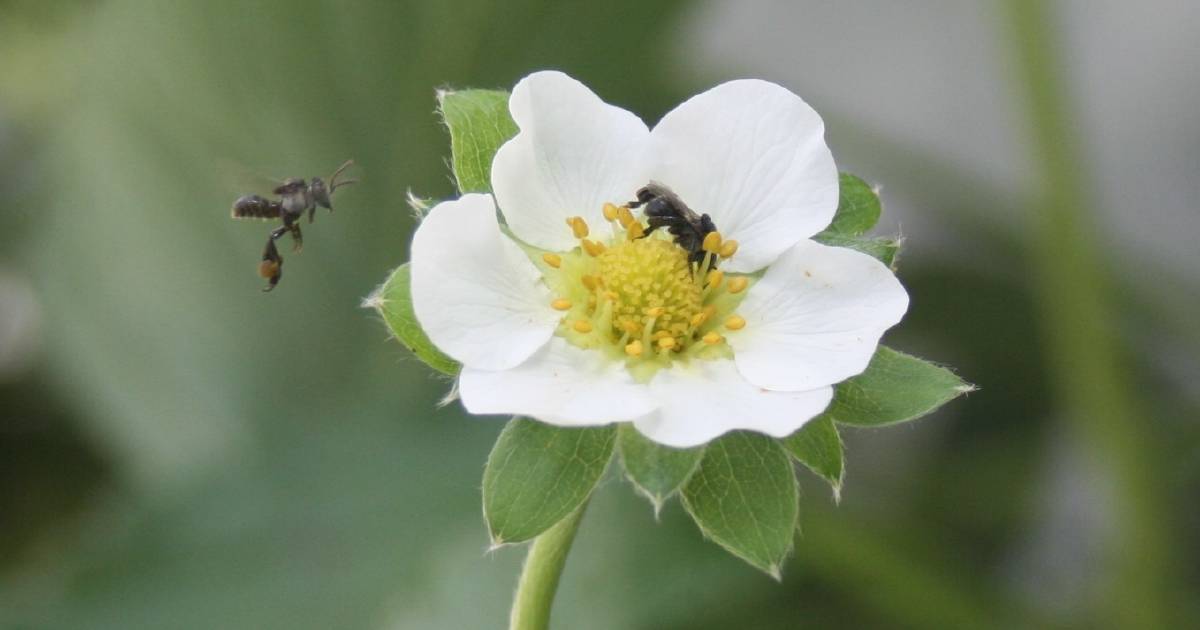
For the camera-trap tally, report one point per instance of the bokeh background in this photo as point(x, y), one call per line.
point(178, 450)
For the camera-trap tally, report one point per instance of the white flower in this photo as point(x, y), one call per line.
point(563, 315)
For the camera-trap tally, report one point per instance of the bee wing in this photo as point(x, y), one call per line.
point(237, 178)
point(662, 190)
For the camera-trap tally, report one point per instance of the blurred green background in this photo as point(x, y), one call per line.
point(178, 450)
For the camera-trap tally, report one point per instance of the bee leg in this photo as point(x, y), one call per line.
point(271, 266)
point(654, 223)
point(297, 237)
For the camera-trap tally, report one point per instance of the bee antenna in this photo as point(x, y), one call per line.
point(333, 182)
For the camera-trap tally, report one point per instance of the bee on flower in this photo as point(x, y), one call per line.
point(664, 277)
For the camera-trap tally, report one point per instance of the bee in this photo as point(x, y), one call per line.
point(663, 208)
point(296, 196)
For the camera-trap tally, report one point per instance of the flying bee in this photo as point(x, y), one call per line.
point(296, 196)
point(663, 208)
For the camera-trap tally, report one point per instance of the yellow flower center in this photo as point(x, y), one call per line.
point(639, 298)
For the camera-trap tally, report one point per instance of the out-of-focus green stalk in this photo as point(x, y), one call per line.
point(539, 577)
point(1072, 286)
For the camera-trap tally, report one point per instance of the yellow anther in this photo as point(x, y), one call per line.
point(554, 260)
point(610, 212)
point(660, 335)
point(592, 247)
point(579, 227)
point(715, 277)
point(635, 230)
point(712, 338)
point(582, 325)
point(709, 310)
point(631, 327)
point(666, 343)
point(656, 311)
point(699, 318)
point(712, 243)
point(590, 282)
point(735, 322)
point(612, 295)
point(729, 248)
point(737, 285)
point(561, 304)
point(634, 348)
point(624, 216)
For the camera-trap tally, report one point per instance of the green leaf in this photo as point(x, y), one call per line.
point(657, 471)
point(881, 248)
point(744, 497)
point(479, 123)
point(393, 300)
point(538, 473)
point(818, 446)
point(895, 387)
point(858, 207)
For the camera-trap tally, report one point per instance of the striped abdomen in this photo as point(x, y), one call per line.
point(255, 207)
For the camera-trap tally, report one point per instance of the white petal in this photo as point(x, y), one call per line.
point(815, 317)
point(574, 153)
point(752, 155)
point(475, 293)
point(704, 399)
point(561, 384)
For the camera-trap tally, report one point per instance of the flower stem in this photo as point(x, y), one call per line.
point(540, 575)
point(1085, 359)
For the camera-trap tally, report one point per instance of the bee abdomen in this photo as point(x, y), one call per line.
point(255, 207)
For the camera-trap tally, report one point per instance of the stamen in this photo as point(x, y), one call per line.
point(712, 243)
point(644, 298)
point(624, 216)
point(715, 277)
point(635, 230)
point(592, 247)
point(578, 226)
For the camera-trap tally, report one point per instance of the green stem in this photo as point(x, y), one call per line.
point(1074, 294)
point(539, 577)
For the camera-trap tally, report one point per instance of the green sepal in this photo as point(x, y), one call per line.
point(895, 387)
point(479, 123)
point(881, 248)
point(393, 301)
point(537, 474)
point(858, 207)
point(744, 497)
point(656, 471)
point(818, 446)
